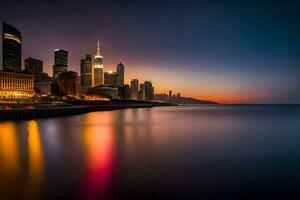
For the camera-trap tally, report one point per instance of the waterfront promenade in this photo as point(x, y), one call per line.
point(36, 111)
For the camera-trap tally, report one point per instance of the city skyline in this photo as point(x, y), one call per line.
point(245, 64)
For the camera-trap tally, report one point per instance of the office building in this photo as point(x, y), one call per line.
point(121, 73)
point(149, 91)
point(60, 62)
point(82, 76)
point(98, 68)
point(69, 84)
point(142, 92)
point(134, 88)
point(34, 66)
point(111, 79)
point(11, 48)
point(124, 92)
point(86, 73)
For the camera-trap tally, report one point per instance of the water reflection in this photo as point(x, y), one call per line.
point(99, 147)
point(9, 159)
point(36, 160)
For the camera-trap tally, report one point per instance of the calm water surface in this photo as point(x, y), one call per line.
point(223, 152)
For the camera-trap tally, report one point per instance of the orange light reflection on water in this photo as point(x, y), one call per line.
point(36, 160)
point(9, 161)
point(99, 146)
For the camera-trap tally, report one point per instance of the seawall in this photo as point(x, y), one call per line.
point(47, 112)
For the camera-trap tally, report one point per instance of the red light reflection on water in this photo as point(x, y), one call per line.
point(99, 146)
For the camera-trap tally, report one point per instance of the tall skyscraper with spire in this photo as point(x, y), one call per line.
point(98, 68)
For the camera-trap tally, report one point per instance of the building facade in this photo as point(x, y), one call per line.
point(11, 48)
point(16, 85)
point(34, 66)
point(42, 87)
point(98, 68)
point(134, 88)
point(111, 79)
point(149, 91)
point(103, 92)
point(69, 84)
point(86, 73)
point(121, 73)
point(60, 62)
point(82, 75)
point(142, 92)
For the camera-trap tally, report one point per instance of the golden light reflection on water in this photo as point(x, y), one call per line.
point(9, 159)
point(36, 160)
point(99, 148)
point(9, 155)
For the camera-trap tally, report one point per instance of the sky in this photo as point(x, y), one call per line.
point(227, 51)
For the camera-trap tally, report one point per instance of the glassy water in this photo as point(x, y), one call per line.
point(222, 152)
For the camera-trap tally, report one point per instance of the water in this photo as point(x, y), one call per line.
point(222, 152)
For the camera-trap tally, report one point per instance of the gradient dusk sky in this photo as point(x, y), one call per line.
point(228, 51)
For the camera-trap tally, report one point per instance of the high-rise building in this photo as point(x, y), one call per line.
point(121, 73)
point(12, 48)
point(34, 66)
point(82, 76)
point(149, 90)
point(86, 73)
point(69, 84)
point(124, 92)
point(60, 62)
point(98, 68)
point(142, 92)
point(111, 79)
point(134, 88)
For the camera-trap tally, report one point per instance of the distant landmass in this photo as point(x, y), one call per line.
point(189, 100)
point(181, 100)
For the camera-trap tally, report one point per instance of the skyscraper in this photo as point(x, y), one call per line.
point(98, 68)
point(86, 73)
point(134, 88)
point(111, 79)
point(34, 66)
point(121, 73)
point(12, 48)
point(82, 75)
point(149, 90)
point(60, 62)
point(142, 92)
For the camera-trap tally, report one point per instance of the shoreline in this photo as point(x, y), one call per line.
point(30, 112)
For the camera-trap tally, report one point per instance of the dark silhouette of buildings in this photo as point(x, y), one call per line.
point(60, 62)
point(121, 73)
point(149, 91)
point(111, 79)
point(124, 92)
point(69, 84)
point(12, 48)
point(34, 66)
point(86, 73)
point(142, 92)
point(134, 88)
